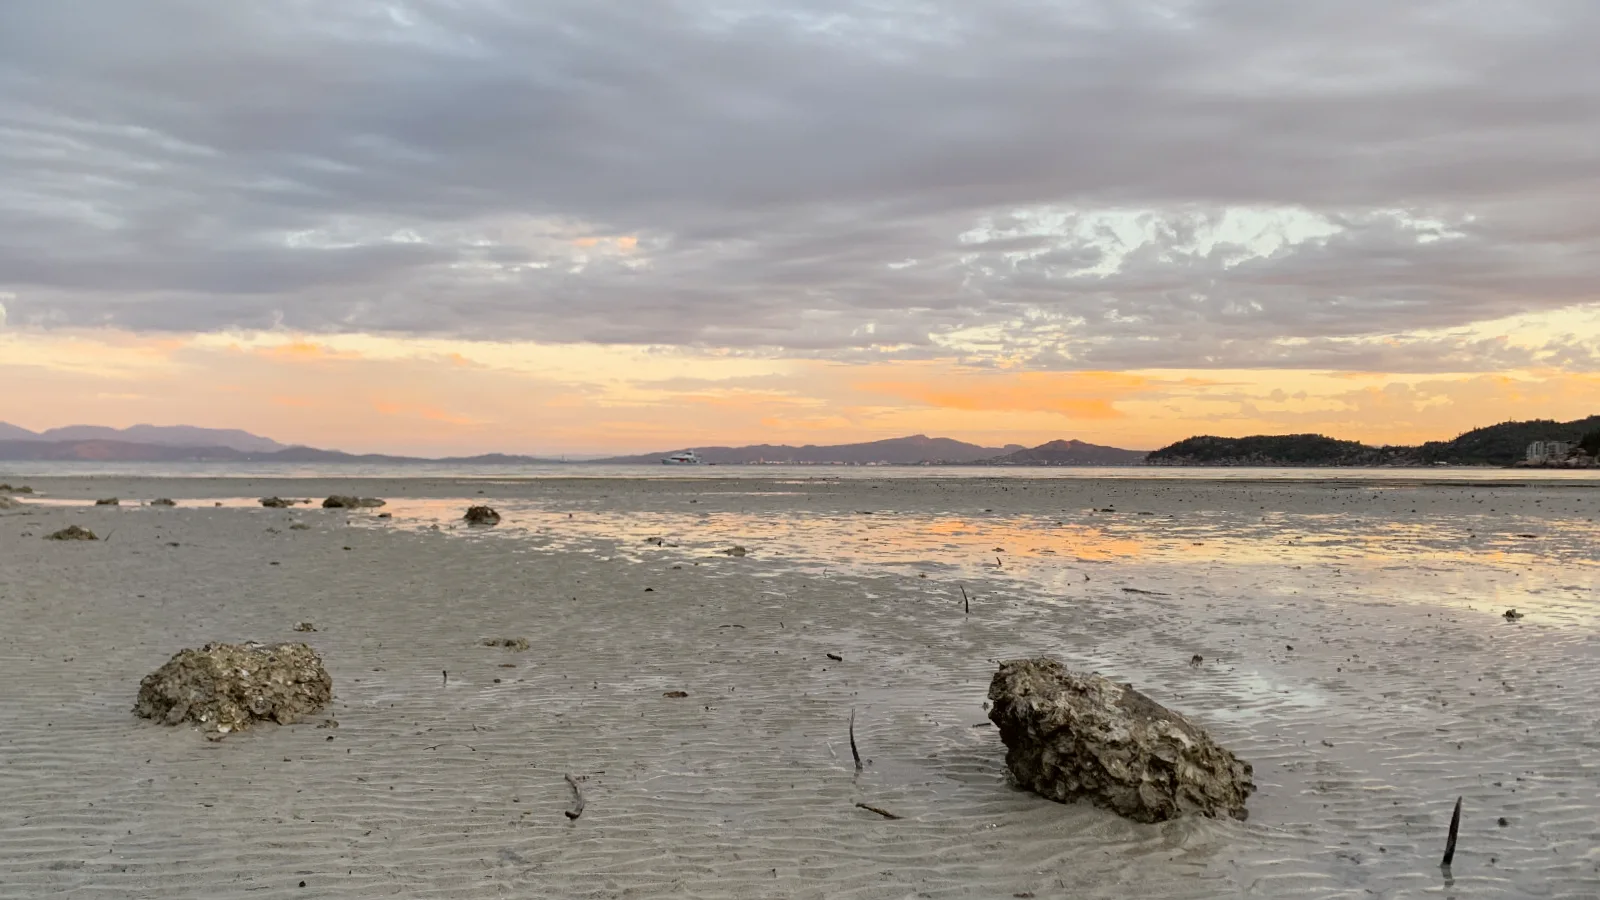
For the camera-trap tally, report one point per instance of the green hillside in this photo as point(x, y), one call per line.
point(1506, 443)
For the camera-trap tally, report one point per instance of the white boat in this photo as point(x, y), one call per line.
point(686, 458)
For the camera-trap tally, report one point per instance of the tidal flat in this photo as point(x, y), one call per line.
point(1353, 638)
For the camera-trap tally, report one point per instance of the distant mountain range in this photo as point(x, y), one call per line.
point(916, 449)
point(1071, 453)
point(1494, 445)
point(127, 451)
point(160, 435)
point(147, 443)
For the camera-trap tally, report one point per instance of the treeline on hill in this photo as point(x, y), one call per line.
point(1504, 444)
point(1494, 445)
point(1274, 450)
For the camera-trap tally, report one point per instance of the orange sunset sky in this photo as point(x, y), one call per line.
point(438, 227)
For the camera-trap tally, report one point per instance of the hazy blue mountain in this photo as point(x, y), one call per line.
point(918, 448)
point(1071, 453)
point(166, 436)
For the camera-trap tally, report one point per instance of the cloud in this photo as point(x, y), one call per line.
point(1082, 184)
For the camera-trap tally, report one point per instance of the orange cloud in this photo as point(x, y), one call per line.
point(431, 413)
point(1077, 395)
point(304, 350)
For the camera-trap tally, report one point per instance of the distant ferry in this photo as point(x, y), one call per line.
point(686, 458)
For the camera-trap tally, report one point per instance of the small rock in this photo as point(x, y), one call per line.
point(304, 626)
point(109, 501)
point(1512, 615)
point(1503, 822)
point(736, 551)
point(518, 644)
point(72, 533)
point(675, 695)
point(339, 501)
point(1196, 661)
point(224, 688)
point(482, 515)
point(835, 657)
point(385, 515)
point(163, 501)
point(276, 503)
point(1072, 736)
point(299, 526)
point(10, 503)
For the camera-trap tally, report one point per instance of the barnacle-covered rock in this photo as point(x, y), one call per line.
point(224, 688)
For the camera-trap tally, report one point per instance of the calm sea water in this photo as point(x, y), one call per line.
point(23, 469)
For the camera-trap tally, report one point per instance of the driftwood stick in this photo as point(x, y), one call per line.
point(446, 674)
point(577, 806)
point(853, 751)
point(1450, 841)
point(882, 812)
point(966, 602)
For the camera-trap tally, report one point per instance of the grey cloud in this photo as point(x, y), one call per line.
point(842, 180)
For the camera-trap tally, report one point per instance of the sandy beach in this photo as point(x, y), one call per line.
point(1354, 643)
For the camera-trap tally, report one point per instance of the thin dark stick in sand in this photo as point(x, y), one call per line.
point(577, 808)
point(966, 602)
point(446, 674)
point(882, 812)
point(1450, 842)
point(853, 751)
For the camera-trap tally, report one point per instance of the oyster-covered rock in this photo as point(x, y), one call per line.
point(72, 533)
point(340, 501)
point(482, 515)
point(224, 688)
point(1072, 736)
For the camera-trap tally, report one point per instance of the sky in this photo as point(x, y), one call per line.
point(571, 226)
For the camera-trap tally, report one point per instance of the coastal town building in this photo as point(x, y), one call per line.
point(1543, 453)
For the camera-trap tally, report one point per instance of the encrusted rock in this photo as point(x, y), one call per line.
point(109, 501)
point(72, 533)
point(482, 515)
point(224, 688)
point(20, 489)
point(518, 644)
point(9, 503)
point(736, 550)
point(276, 503)
point(339, 501)
point(304, 626)
point(1071, 736)
point(163, 501)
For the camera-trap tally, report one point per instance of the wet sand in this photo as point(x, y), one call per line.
point(1354, 644)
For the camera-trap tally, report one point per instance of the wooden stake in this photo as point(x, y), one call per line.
point(853, 751)
point(882, 812)
point(1450, 842)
